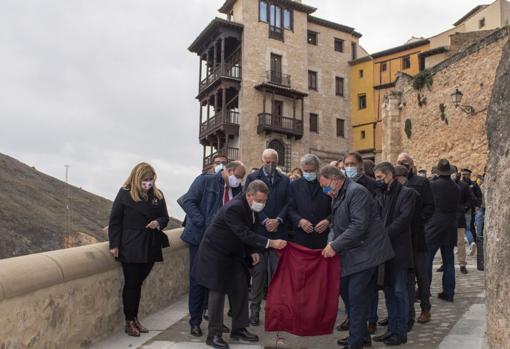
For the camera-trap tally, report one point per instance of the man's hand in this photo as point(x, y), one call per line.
point(328, 252)
point(153, 225)
point(115, 252)
point(306, 225)
point(322, 226)
point(255, 258)
point(272, 225)
point(277, 244)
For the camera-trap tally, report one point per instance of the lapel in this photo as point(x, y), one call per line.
point(316, 189)
point(143, 207)
point(249, 216)
point(394, 191)
point(341, 196)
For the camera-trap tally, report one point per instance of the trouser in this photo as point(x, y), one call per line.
point(470, 234)
point(479, 221)
point(356, 290)
point(238, 295)
point(197, 293)
point(448, 265)
point(420, 274)
point(261, 275)
point(374, 301)
point(397, 303)
point(134, 276)
point(461, 247)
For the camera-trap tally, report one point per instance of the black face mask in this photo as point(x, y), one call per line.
point(380, 184)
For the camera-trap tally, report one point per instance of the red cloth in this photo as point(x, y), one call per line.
point(303, 295)
point(226, 196)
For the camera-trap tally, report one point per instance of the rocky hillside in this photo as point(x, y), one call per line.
point(33, 214)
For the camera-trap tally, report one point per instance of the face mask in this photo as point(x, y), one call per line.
point(351, 172)
point(233, 181)
point(257, 206)
point(342, 170)
point(218, 168)
point(270, 168)
point(327, 189)
point(380, 184)
point(146, 185)
point(310, 176)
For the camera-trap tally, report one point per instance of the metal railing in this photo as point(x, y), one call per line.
point(230, 68)
point(231, 153)
point(278, 78)
point(280, 124)
point(231, 117)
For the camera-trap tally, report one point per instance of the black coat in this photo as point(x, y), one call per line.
point(417, 229)
point(306, 200)
point(396, 208)
point(127, 232)
point(422, 186)
point(441, 229)
point(228, 240)
point(464, 203)
point(368, 183)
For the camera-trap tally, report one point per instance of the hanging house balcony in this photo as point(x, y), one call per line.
point(274, 123)
point(225, 122)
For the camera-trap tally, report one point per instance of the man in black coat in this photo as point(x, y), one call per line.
point(270, 223)
point(464, 206)
point(419, 272)
point(476, 202)
point(309, 208)
point(220, 263)
point(441, 229)
point(396, 207)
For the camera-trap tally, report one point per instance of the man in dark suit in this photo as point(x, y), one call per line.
point(465, 204)
point(441, 229)
point(357, 234)
point(205, 197)
point(396, 207)
point(271, 223)
point(221, 265)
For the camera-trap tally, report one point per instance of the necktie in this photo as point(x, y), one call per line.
point(226, 197)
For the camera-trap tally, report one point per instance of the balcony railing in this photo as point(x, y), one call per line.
point(281, 124)
point(275, 32)
point(230, 118)
point(276, 77)
point(231, 68)
point(231, 153)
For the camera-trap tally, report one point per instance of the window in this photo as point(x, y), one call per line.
point(340, 128)
point(406, 62)
point(287, 19)
point(275, 22)
point(263, 11)
point(339, 86)
point(312, 80)
point(383, 67)
point(481, 23)
point(361, 73)
point(314, 123)
point(363, 135)
point(339, 45)
point(362, 101)
point(312, 37)
point(354, 51)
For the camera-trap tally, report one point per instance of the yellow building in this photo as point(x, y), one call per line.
point(371, 78)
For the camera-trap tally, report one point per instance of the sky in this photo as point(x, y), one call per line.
point(101, 85)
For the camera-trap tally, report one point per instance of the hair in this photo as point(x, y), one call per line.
point(408, 158)
point(357, 156)
point(386, 168)
point(219, 156)
point(310, 159)
point(232, 165)
point(298, 170)
point(401, 171)
point(257, 186)
point(332, 172)
point(140, 172)
point(368, 168)
point(269, 152)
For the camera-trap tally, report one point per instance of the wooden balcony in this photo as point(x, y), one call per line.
point(281, 124)
point(227, 123)
point(230, 69)
point(231, 153)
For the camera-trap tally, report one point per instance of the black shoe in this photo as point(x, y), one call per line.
point(440, 269)
point(463, 270)
point(344, 326)
point(445, 297)
point(225, 329)
point(216, 342)
point(229, 314)
point(383, 322)
point(243, 334)
point(395, 340)
point(254, 318)
point(367, 342)
point(206, 315)
point(196, 331)
point(382, 337)
point(410, 325)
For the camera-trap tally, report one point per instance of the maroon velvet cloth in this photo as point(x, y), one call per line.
point(303, 296)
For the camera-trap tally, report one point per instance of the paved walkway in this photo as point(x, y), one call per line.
point(454, 325)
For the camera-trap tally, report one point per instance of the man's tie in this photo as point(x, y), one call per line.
point(226, 197)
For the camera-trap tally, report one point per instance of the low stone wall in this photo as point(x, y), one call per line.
point(70, 298)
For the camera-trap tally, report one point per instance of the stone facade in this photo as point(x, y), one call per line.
point(453, 134)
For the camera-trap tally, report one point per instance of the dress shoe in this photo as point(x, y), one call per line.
point(196, 331)
point(216, 342)
point(206, 315)
point(382, 337)
point(463, 270)
point(131, 329)
point(367, 342)
point(243, 334)
point(140, 327)
point(410, 325)
point(424, 317)
point(229, 314)
point(394, 340)
point(372, 327)
point(225, 329)
point(445, 297)
point(344, 326)
point(383, 322)
point(440, 269)
point(254, 318)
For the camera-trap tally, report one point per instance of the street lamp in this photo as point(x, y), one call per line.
point(457, 99)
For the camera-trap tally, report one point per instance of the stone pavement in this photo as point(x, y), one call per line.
point(454, 325)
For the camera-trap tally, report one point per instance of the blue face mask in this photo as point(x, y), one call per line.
point(310, 176)
point(351, 172)
point(327, 189)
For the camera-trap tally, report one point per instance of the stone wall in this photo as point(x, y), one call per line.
point(457, 136)
point(71, 298)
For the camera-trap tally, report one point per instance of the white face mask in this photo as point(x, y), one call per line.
point(233, 181)
point(257, 206)
point(218, 168)
point(147, 185)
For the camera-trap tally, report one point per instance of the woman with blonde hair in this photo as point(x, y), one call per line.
point(135, 232)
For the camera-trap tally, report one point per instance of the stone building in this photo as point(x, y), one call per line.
point(272, 75)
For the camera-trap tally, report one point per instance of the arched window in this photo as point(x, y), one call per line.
point(280, 149)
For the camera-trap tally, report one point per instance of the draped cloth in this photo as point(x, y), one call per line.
point(302, 298)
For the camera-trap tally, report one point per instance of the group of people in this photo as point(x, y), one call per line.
point(386, 222)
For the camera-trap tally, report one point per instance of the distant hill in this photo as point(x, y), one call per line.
point(33, 214)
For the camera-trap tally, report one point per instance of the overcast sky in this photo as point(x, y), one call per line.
point(103, 84)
